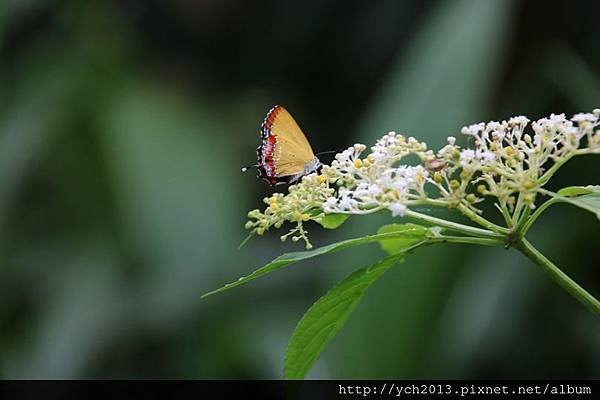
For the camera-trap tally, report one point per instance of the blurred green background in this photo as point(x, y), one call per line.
point(123, 127)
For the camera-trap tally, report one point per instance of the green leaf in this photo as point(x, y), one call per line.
point(327, 316)
point(586, 197)
point(410, 234)
point(291, 258)
point(332, 221)
point(571, 191)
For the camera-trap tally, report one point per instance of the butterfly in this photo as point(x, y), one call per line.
point(284, 156)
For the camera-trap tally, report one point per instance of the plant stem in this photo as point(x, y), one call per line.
point(529, 223)
point(469, 240)
point(454, 226)
point(470, 214)
point(482, 221)
point(505, 214)
point(522, 219)
point(517, 211)
point(552, 170)
point(559, 276)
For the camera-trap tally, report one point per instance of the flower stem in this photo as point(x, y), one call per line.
point(469, 240)
point(470, 214)
point(559, 276)
point(505, 214)
point(517, 211)
point(453, 226)
point(481, 221)
point(529, 221)
point(552, 170)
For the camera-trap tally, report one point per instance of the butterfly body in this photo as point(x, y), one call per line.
point(284, 156)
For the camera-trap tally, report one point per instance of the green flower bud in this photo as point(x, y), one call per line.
point(471, 198)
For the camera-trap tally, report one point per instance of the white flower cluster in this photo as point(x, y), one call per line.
point(377, 181)
point(505, 163)
point(510, 162)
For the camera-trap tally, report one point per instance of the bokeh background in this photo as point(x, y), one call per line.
point(123, 127)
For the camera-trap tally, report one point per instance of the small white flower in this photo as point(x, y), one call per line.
point(359, 148)
point(347, 203)
point(361, 190)
point(420, 171)
point(445, 151)
point(329, 205)
point(467, 155)
point(473, 130)
point(343, 191)
point(378, 154)
point(451, 140)
point(488, 156)
point(500, 134)
point(345, 155)
point(585, 117)
point(518, 120)
point(397, 209)
point(374, 189)
point(400, 184)
point(495, 126)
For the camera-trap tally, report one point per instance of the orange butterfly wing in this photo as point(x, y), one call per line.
point(285, 151)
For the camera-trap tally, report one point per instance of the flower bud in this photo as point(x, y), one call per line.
point(529, 184)
point(529, 198)
point(510, 201)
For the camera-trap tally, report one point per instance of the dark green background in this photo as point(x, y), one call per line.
point(123, 127)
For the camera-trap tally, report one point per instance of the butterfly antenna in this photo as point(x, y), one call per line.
point(244, 169)
point(329, 152)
